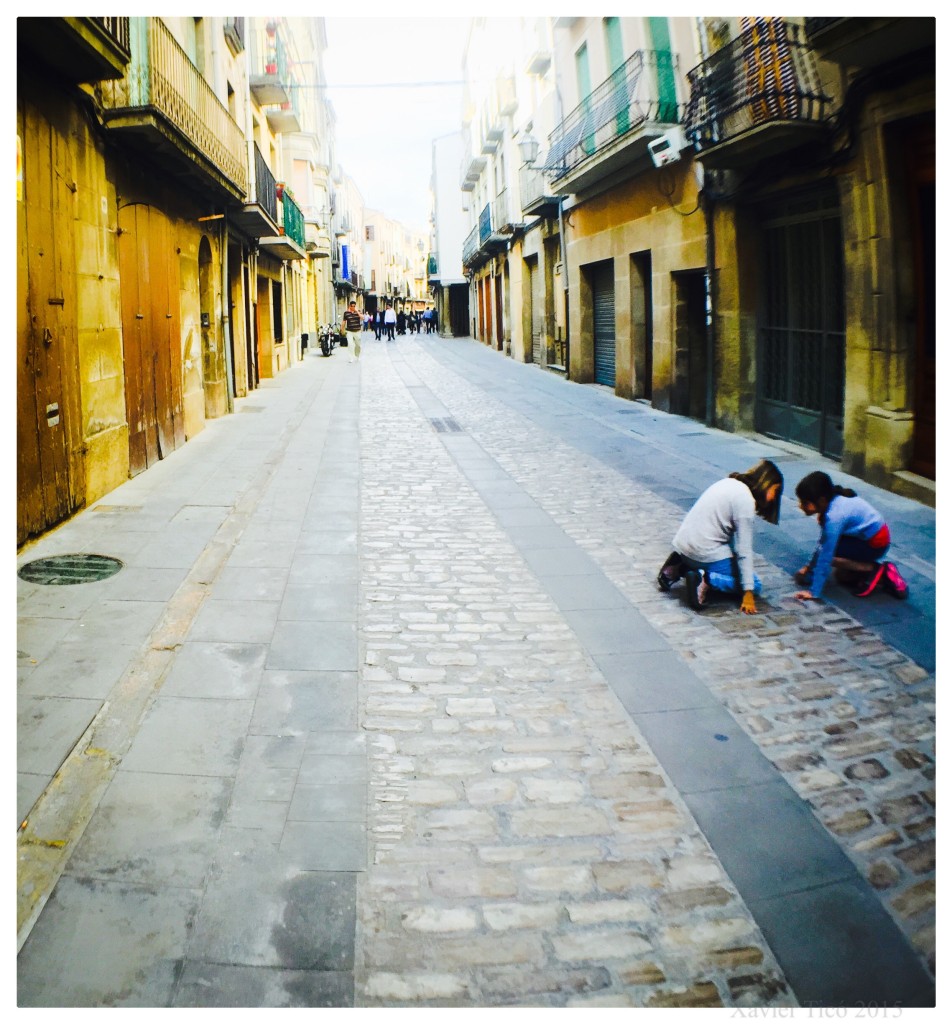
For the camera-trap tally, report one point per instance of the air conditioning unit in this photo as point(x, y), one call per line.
point(666, 149)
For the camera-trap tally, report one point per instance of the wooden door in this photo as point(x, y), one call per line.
point(497, 283)
point(151, 336)
point(50, 472)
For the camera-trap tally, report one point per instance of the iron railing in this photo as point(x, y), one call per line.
point(485, 223)
point(642, 89)
point(471, 245)
point(766, 74)
point(502, 214)
point(269, 54)
point(235, 33)
point(161, 78)
point(117, 29)
point(292, 220)
point(265, 186)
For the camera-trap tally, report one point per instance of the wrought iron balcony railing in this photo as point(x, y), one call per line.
point(235, 34)
point(265, 187)
point(504, 218)
point(162, 84)
point(534, 193)
point(471, 246)
point(292, 220)
point(80, 49)
point(766, 75)
point(117, 29)
point(641, 90)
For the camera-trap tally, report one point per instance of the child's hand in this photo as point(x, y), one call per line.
point(747, 603)
point(805, 595)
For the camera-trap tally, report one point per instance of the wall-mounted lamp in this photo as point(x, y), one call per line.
point(528, 148)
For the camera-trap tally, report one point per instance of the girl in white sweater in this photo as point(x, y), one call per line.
point(714, 548)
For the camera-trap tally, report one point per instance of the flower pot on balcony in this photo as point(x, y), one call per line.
point(279, 189)
point(271, 69)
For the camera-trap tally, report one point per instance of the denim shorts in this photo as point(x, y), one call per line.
point(722, 575)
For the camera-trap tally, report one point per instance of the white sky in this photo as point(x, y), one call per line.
point(384, 134)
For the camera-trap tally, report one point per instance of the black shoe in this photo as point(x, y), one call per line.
point(693, 579)
point(670, 572)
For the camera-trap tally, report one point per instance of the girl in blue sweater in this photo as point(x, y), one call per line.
point(854, 539)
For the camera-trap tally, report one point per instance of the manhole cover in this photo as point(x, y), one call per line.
point(62, 570)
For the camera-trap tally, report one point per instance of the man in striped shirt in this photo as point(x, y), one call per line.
point(350, 325)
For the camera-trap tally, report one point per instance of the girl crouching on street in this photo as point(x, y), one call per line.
point(854, 540)
point(714, 548)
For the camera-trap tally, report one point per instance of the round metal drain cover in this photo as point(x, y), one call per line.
point(63, 570)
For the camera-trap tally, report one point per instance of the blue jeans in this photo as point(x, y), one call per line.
point(722, 575)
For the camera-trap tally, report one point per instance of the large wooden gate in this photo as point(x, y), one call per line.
point(151, 332)
point(50, 482)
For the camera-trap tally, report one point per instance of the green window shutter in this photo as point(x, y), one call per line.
point(616, 58)
point(667, 94)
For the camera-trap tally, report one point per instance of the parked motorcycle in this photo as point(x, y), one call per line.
point(328, 339)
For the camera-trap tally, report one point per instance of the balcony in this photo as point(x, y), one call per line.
point(505, 221)
point(471, 247)
point(492, 136)
point(166, 109)
point(534, 193)
point(610, 129)
point(287, 118)
point(82, 49)
point(289, 243)
point(259, 215)
point(316, 235)
point(433, 266)
point(469, 174)
point(757, 97)
point(234, 29)
point(869, 42)
point(268, 70)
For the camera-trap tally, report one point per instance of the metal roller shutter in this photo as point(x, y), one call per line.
point(603, 301)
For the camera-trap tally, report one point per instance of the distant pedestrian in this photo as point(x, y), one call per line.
point(401, 322)
point(350, 325)
point(714, 547)
point(378, 324)
point(390, 321)
point(854, 540)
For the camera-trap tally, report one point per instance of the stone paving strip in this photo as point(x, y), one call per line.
point(525, 846)
point(847, 720)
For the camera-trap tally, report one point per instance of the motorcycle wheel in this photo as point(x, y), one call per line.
point(325, 347)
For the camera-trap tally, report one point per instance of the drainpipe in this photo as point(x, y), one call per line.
point(709, 270)
point(565, 286)
point(707, 191)
point(226, 334)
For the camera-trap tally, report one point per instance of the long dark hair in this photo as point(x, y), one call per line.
point(760, 479)
point(817, 487)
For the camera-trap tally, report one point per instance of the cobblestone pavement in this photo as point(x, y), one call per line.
point(385, 709)
point(526, 845)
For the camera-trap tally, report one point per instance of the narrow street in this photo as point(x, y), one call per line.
point(385, 708)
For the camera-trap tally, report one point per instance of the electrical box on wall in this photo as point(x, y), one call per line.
point(666, 149)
